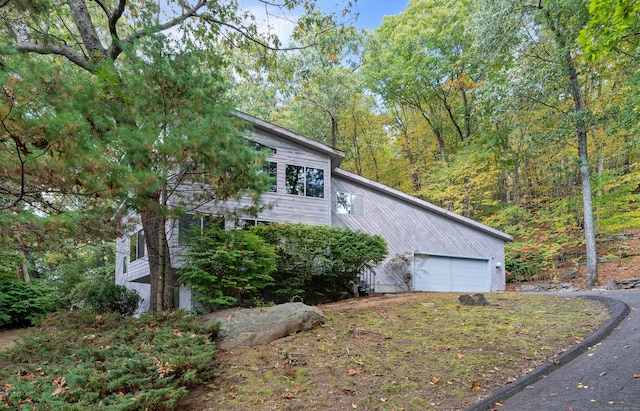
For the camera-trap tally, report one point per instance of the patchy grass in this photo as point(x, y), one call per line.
point(417, 352)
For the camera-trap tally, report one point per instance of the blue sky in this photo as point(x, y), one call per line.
point(371, 11)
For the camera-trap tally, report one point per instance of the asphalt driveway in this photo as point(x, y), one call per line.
point(601, 373)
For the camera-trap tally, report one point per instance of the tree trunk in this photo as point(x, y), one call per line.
point(587, 201)
point(24, 268)
point(160, 271)
point(334, 131)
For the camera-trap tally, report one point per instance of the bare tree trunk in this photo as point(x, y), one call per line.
point(24, 268)
point(587, 201)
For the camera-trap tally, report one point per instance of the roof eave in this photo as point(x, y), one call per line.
point(336, 155)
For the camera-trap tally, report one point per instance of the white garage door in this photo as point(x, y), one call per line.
point(441, 273)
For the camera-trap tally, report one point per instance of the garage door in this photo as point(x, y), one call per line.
point(442, 273)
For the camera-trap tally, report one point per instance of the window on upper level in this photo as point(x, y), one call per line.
point(261, 147)
point(192, 224)
point(304, 181)
point(136, 246)
point(271, 169)
point(350, 204)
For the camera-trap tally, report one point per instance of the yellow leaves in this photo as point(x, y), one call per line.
point(475, 386)
point(434, 380)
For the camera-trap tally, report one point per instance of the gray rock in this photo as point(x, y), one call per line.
point(242, 327)
point(476, 299)
point(549, 287)
point(569, 275)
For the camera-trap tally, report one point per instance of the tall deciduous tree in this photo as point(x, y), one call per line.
point(420, 59)
point(543, 37)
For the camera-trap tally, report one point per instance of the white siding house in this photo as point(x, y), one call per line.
point(430, 249)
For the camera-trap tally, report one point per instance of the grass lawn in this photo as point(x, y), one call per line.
point(410, 352)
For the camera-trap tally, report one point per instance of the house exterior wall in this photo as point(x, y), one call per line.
point(284, 208)
point(128, 271)
point(410, 228)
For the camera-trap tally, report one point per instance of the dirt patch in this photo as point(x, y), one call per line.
point(8, 338)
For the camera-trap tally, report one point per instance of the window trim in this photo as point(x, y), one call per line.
point(139, 252)
point(303, 173)
point(355, 203)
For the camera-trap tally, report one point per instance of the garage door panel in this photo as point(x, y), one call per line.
point(450, 274)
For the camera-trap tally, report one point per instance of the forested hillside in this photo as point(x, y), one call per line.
point(510, 114)
point(521, 115)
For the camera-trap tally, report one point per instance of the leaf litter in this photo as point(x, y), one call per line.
point(417, 351)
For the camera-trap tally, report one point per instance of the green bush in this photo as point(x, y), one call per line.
point(318, 263)
point(21, 303)
point(224, 267)
point(527, 261)
point(107, 297)
point(86, 361)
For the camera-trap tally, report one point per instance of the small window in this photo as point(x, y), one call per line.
point(350, 204)
point(304, 181)
point(271, 169)
point(343, 203)
point(136, 246)
point(261, 147)
point(245, 224)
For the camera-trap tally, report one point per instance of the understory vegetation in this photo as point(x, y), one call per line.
point(417, 352)
point(82, 360)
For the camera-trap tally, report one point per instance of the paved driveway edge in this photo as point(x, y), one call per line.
point(618, 311)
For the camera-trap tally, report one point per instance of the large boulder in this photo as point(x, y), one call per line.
point(246, 327)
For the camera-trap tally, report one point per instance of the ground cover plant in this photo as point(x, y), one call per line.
point(413, 352)
point(80, 361)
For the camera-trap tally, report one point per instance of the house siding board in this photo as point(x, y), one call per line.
point(408, 228)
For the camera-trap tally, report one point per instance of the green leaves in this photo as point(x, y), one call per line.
point(613, 25)
point(226, 266)
point(87, 361)
point(22, 303)
point(319, 263)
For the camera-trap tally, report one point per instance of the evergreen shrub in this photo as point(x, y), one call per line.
point(318, 263)
point(108, 297)
point(226, 266)
point(21, 303)
point(82, 361)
